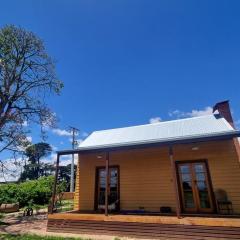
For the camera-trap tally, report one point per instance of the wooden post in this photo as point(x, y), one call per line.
point(55, 185)
point(107, 184)
point(173, 167)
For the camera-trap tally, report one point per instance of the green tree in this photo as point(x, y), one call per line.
point(27, 78)
point(35, 169)
point(65, 174)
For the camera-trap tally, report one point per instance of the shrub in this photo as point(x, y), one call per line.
point(27, 193)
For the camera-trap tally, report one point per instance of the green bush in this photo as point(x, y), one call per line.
point(27, 193)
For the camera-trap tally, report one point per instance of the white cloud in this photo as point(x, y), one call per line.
point(11, 169)
point(54, 148)
point(67, 159)
point(29, 138)
point(155, 120)
point(61, 132)
point(25, 124)
point(51, 159)
point(64, 160)
point(198, 113)
point(193, 113)
point(175, 113)
point(27, 141)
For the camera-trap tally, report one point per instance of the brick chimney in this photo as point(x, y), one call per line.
point(224, 110)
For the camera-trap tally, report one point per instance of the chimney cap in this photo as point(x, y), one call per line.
point(218, 104)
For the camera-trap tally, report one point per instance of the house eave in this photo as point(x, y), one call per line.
point(153, 143)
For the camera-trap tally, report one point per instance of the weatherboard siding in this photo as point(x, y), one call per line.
point(77, 187)
point(145, 174)
point(224, 167)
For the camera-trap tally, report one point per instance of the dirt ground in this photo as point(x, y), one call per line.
point(17, 224)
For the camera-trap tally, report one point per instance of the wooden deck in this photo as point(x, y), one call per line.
point(187, 220)
point(158, 227)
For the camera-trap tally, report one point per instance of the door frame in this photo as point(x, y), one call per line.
point(211, 192)
point(96, 185)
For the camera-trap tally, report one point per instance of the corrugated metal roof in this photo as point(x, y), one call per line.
point(189, 128)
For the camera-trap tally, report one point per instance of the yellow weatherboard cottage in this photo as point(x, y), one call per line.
point(146, 180)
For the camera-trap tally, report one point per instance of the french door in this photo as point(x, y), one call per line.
point(113, 188)
point(195, 188)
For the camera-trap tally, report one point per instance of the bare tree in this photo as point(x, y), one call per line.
point(27, 77)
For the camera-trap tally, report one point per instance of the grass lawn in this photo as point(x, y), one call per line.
point(34, 237)
point(66, 205)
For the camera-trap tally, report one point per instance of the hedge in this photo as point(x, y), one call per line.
point(27, 193)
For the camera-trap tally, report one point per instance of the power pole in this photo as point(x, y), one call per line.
point(74, 132)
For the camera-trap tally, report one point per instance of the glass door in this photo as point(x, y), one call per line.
point(187, 188)
point(202, 187)
point(113, 188)
point(195, 187)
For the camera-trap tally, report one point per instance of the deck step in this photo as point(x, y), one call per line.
point(143, 230)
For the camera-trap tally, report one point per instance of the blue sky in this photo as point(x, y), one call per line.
point(125, 62)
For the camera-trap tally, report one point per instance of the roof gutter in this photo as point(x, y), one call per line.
point(153, 143)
